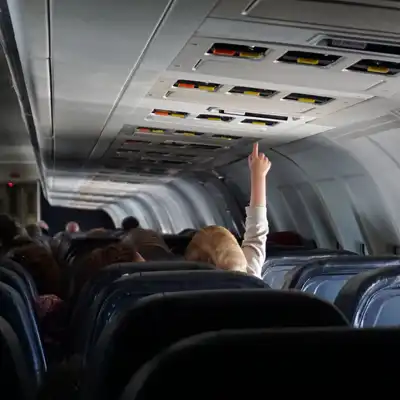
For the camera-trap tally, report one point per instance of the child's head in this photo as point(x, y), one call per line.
point(216, 245)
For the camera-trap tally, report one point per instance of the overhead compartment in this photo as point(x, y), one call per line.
point(380, 16)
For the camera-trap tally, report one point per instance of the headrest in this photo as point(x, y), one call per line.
point(16, 380)
point(217, 365)
point(23, 322)
point(340, 265)
point(354, 289)
point(135, 338)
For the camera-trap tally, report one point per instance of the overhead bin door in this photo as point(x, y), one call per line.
point(369, 15)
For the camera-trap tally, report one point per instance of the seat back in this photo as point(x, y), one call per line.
point(15, 312)
point(91, 295)
point(177, 243)
point(125, 291)
point(15, 379)
point(12, 279)
point(81, 245)
point(277, 266)
point(158, 321)
point(325, 278)
point(372, 298)
point(22, 273)
point(218, 364)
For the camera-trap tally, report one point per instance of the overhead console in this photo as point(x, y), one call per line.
point(144, 150)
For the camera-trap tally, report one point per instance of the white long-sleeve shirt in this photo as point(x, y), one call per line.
point(255, 239)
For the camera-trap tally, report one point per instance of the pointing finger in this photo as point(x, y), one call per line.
point(255, 150)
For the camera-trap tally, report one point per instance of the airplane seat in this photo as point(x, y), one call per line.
point(92, 293)
point(15, 379)
point(158, 321)
point(79, 246)
point(26, 277)
point(125, 291)
point(23, 322)
point(289, 238)
point(372, 298)
point(216, 365)
point(277, 266)
point(325, 278)
point(177, 243)
point(12, 279)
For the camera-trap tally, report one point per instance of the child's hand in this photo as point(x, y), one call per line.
point(258, 162)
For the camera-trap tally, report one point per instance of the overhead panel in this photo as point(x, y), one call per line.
point(211, 118)
point(258, 99)
point(173, 153)
point(368, 15)
point(282, 65)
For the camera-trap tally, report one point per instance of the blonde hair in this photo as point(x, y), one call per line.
point(217, 246)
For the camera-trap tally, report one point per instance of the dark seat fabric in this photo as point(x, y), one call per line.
point(23, 274)
point(325, 278)
point(177, 243)
point(125, 291)
point(15, 380)
point(365, 298)
point(15, 312)
point(12, 279)
point(277, 265)
point(158, 321)
point(233, 365)
point(80, 245)
point(92, 295)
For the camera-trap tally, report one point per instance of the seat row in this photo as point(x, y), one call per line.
point(130, 312)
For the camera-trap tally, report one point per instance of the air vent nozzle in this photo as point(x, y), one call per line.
point(308, 98)
point(376, 67)
point(237, 51)
point(308, 58)
point(248, 91)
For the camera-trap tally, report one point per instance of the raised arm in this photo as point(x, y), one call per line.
point(255, 236)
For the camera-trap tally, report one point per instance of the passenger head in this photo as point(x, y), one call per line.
point(9, 229)
point(44, 227)
point(33, 230)
point(100, 258)
point(217, 246)
point(130, 223)
point(98, 232)
point(149, 244)
point(72, 227)
point(39, 262)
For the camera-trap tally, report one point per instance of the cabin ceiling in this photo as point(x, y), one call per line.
point(128, 95)
point(16, 153)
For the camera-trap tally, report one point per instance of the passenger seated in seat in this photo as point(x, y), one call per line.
point(98, 232)
point(150, 244)
point(50, 308)
point(216, 245)
point(129, 223)
point(72, 227)
point(103, 257)
point(9, 229)
point(33, 230)
point(44, 227)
